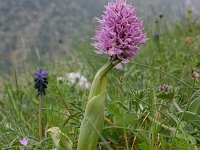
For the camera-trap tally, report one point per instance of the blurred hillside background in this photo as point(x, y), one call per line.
point(48, 29)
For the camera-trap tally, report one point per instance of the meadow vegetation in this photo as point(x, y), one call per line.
point(153, 103)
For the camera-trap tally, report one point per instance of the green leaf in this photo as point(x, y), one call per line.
point(142, 136)
point(191, 117)
point(131, 119)
point(123, 106)
point(92, 123)
point(164, 144)
point(140, 94)
point(93, 120)
point(145, 146)
point(118, 120)
point(113, 109)
point(168, 95)
point(195, 106)
point(61, 141)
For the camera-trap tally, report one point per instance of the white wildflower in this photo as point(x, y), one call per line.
point(76, 78)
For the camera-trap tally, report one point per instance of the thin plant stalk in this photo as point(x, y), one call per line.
point(162, 125)
point(40, 116)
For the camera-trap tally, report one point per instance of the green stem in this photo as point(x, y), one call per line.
point(40, 116)
point(162, 125)
point(92, 122)
point(176, 105)
point(102, 72)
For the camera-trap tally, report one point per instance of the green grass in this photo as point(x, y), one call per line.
point(137, 115)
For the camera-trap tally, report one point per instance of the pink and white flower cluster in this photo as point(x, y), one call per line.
point(120, 31)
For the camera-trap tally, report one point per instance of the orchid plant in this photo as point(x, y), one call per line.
point(119, 35)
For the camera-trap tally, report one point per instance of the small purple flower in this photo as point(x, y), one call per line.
point(164, 89)
point(24, 141)
point(41, 80)
point(40, 74)
point(120, 32)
